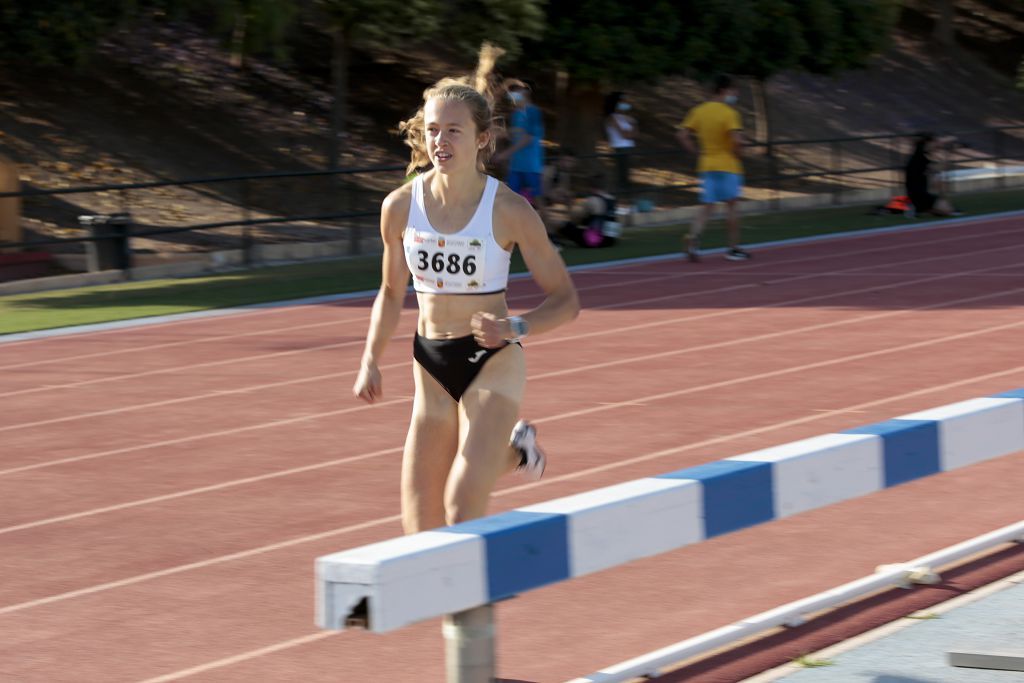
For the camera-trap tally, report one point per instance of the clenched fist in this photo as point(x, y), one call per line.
point(489, 330)
point(368, 383)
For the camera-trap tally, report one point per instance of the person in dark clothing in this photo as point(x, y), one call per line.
point(919, 175)
point(594, 221)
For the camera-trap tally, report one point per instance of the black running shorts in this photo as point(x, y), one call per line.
point(454, 363)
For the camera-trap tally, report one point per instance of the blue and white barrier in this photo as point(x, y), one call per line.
point(387, 585)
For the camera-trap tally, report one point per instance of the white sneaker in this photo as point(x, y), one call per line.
point(532, 458)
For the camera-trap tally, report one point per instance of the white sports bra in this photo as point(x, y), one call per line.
point(469, 261)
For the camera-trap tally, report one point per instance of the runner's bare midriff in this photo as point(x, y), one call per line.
point(448, 316)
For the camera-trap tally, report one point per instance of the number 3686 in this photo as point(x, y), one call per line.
point(454, 264)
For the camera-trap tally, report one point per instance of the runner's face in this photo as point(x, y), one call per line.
point(451, 136)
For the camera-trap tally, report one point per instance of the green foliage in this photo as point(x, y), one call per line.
point(55, 32)
point(865, 30)
point(750, 37)
point(248, 27)
point(843, 34)
point(380, 22)
point(267, 23)
point(760, 38)
point(61, 32)
point(468, 23)
point(602, 41)
point(822, 33)
point(715, 30)
point(776, 41)
point(599, 40)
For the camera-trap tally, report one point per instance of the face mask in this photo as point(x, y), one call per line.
point(516, 97)
point(731, 99)
point(623, 106)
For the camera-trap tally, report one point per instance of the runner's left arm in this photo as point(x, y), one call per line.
point(561, 305)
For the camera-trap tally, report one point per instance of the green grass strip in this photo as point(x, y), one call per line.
point(106, 303)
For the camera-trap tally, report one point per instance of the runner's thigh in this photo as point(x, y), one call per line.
point(487, 413)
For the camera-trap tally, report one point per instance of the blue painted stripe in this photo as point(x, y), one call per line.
point(1016, 393)
point(910, 448)
point(525, 550)
point(737, 494)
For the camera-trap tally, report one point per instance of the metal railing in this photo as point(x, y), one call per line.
point(244, 203)
point(782, 163)
point(769, 171)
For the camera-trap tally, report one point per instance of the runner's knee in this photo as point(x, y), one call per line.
point(466, 496)
point(464, 507)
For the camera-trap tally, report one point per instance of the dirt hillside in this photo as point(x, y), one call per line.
point(162, 102)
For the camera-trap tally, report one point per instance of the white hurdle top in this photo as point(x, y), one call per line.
point(387, 585)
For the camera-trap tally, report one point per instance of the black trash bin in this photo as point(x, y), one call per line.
point(109, 249)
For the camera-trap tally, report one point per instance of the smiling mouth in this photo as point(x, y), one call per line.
point(443, 156)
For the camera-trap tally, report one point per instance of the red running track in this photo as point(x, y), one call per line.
point(166, 488)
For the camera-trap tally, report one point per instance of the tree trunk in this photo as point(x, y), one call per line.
point(581, 122)
point(238, 36)
point(944, 30)
point(762, 118)
point(339, 77)
point(562, 106)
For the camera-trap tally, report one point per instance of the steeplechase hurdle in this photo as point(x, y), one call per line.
point(460, 571)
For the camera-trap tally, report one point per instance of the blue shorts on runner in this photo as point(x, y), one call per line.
point(526, 184)
point(720, 186)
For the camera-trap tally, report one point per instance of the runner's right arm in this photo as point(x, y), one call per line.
point(736, 137)
point(387, 307)
point(685, 137)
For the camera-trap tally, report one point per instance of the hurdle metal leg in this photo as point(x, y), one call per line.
point(470, 646)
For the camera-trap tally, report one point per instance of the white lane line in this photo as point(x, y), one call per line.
point(799, 368)
point(593, 268)
point(289, 305)
point(170, 571)
point(264, 356)
point(631, 302)
point(843, 273)
point(586, 411)
point(312, 416)
point(362, 318)
point(193, 437)
point(197, 437)
point(181, 342)
point(251, 654)
point(202, 489)
point(130, 581)
point(115, 326)
point(300, 540)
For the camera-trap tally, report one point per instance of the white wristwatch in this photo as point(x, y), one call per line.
point(520, 328)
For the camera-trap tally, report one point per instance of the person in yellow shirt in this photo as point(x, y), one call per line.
point(717, 127)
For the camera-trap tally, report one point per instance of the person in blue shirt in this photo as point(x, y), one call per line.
point(525, 155)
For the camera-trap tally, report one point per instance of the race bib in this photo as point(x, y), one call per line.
point(446, 264)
